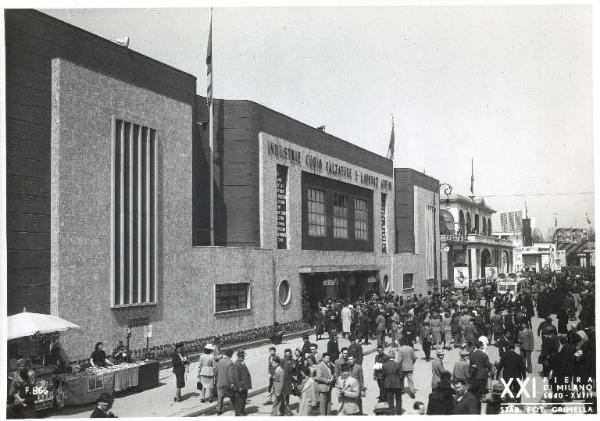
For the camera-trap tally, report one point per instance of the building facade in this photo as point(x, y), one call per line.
point(417, 262)
point(121, 142)
point(467, 241)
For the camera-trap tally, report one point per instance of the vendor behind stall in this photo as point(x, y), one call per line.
point(121, 354)
point(98, 357)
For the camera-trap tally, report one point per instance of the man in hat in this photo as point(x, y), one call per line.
point(241, 383)
point(223, 380)
point(462, 368)
point(437, 368)
point(392, 383)
point(480, 365)
point(103, 405)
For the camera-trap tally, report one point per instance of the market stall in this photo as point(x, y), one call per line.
point(85, 387)
point(33, 347)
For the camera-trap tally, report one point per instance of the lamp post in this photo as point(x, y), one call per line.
point(447, 191)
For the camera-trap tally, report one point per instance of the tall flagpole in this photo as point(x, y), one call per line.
point(211, 132)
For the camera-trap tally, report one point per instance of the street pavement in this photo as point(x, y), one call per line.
point(158, 402)
point(422, 379)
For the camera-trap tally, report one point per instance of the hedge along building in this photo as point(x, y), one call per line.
point(107, 198)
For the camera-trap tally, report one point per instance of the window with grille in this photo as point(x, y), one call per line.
point(340, 216)
point(134, 214)
point(407, 282)
point(316, 212)
point(361, 220)
point(232, 297)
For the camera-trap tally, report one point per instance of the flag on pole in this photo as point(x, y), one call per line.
point(555, 222)
point(209, 87)
point(390, 152)
point(588, 219)
point(472, 178)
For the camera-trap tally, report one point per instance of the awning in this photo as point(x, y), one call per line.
point(339, 268)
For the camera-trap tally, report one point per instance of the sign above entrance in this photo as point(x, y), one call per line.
point(330, 282)
point(290, 154)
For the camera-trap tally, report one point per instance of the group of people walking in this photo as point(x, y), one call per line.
point(463, 322)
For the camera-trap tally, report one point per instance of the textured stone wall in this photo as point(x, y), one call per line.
point(84, 102)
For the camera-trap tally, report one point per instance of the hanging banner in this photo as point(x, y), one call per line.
point(461, 276)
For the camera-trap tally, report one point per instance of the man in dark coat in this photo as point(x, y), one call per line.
point(480, 364)
point(241, 382)
point(512, 366)
point(223, 381)
point(355, 349)
point(465, 403)
point(363, 326)
point(333, 347)
point(380, 359)
point(509, 324)
point(392, 383)
point(543, 304)
point(441, 399)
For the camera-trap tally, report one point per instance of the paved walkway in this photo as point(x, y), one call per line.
point(158, 402)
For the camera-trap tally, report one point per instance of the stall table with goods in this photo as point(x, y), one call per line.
point(87, 386)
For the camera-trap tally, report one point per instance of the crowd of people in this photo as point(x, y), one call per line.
point(466, 322)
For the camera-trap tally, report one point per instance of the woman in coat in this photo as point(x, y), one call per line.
point(436, 328)
point(206, 372)
point(180, 365)
point(309, 398)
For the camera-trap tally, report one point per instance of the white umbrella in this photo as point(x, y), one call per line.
point(28, 324)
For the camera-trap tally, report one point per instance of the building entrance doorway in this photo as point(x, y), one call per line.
point(486, 259)
point(347, 286)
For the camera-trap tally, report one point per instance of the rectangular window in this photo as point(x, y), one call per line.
point(282, 173)
point(407, 283)
point(361, 220)
point(340, 216)
point(134, 214)
point(316, 212)
point(383, 223)
point(232, 297)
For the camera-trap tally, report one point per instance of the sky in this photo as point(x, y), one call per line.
point(507, 86)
